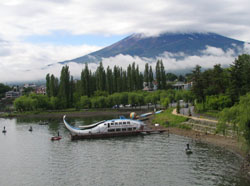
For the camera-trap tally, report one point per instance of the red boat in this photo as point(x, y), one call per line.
point(54, 138)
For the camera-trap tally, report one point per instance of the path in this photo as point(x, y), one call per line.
point(195, 118)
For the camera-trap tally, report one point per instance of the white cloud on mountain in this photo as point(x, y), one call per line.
point(210, 57)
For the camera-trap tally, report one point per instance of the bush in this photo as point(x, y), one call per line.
point(165, 102)
point(85, 102)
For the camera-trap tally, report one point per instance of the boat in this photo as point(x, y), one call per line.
point(4, 130)
point(159, 111)
point(55, 138)
point(188, 150)
point(30, 129)
point(146, 114)
point(106, 128)
point(43, 123)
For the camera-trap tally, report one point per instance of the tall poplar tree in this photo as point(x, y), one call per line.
point(100, 78)
point(146, 75)
point(48, 85)
point(64, 87)
point(129, 77)
point(163, 76)
point(158, 75)
point(151, 78)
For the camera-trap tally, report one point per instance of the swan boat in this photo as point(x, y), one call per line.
point(106, 128)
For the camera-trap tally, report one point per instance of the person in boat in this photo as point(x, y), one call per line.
point(188, 150)
point(4, 130)
point(58, 134)
point(30, 129)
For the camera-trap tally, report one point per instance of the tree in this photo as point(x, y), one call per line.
point(140, 99)
point(146, 75)
point(53, 85)
point(109, 81)
point(124, 81)
point(85, 81)
point(171, 77)
point(48, 85)
point(165, 102)
point(3, 89)
point(129, 76)
point(163, 76)
point(133, 76)
point(148, 99)
point(151, 78)
point(240, 77)
point(100, 78)
point(64, 87)
point(85, 102)
point(198, 87)
point(25, 103)
point(189, 112)
point(133, 99)
point(158, 75)
point(178, 108)
point(237, 116)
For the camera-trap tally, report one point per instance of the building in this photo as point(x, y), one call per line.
point(29, 86)
point(182, 86)
point(12, 94)
point(147, 88)
point(41, 90)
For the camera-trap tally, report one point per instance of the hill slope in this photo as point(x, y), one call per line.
point(151, 47)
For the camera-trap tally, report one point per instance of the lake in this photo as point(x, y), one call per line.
point(31, 158)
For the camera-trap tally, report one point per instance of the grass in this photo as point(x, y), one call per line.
point(167, 119)
point(184, 126)
point(211, 113)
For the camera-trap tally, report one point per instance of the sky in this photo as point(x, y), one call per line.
point(37, 33)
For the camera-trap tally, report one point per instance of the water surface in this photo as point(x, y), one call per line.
point(30, 158)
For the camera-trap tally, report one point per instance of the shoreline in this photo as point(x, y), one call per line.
point(222, 141)
point(228, 143)
point(84, 113)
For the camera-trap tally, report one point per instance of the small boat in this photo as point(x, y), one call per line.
point(43, 123)
point(30, 129)
point(146, 114)
point(55, 138)
point(188, 150)
point(109, 128)
point(4, 130)
point(159, 111)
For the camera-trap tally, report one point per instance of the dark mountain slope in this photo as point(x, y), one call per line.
point(151, 47)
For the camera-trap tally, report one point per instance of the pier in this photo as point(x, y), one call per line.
point(118, 134)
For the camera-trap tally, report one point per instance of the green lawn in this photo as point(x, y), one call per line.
point(167, 119)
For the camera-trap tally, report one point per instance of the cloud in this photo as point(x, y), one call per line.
point(210, 57)
point(25, 61)
point(23, 18)
point(29, 17)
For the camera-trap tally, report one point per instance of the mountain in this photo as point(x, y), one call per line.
point(154, 46)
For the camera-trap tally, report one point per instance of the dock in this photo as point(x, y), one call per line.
point(117, 134)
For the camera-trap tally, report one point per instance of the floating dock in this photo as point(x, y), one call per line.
point(117, 134)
